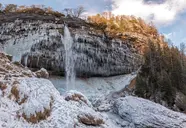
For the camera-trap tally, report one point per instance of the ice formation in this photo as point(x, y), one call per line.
point(69, 59)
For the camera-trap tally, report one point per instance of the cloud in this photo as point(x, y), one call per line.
point(168, 36)
point(159, 11)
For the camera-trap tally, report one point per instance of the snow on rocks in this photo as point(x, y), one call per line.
point(39, 98)
point(43, 106)
point(91, 119)
point(77, 96)
point(9, 69)
point(42, 73)
point(144, 113)
point(29, 102)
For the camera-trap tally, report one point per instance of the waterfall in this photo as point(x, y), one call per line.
point(26, 61)
point(69, 59)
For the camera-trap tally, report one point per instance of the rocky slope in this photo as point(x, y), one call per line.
point(27, 101)
point(143, 113)
point(39, 43)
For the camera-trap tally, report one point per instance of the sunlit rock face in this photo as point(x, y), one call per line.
point(39, 44)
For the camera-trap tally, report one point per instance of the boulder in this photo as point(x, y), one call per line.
point(42, 73)
point(144, 113)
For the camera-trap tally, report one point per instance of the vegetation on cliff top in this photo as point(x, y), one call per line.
point(36, 9)
point(118, 25)
point(41, 9)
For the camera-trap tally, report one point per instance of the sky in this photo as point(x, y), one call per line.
point(169, 16)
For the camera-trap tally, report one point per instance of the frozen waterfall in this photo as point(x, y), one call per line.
point(69, 59)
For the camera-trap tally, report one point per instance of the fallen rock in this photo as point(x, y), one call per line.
point(42, 73)
point(144, 113)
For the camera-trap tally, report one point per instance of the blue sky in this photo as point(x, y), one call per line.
point(168, 15)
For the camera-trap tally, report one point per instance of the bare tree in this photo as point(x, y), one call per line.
point(69, 12)
point(79, 11)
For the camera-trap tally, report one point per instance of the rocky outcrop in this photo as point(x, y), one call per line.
point(39, 43)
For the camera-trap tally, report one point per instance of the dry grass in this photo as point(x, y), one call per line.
point(76, 97)
point(90, 120)
point(23, 100)
point(3, 87)
point(15, 93)
point(132, 84)
point(39, 115)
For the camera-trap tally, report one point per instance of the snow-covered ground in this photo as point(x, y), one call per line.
point(30, 102)
point(144, 113)
point(40, 93)
point(95, 86)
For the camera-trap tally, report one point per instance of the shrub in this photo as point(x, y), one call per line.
point(39, 116)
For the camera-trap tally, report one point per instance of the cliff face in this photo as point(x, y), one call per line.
point(39, 43)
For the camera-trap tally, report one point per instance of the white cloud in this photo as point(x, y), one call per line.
point(157, 13)
point(169, 35)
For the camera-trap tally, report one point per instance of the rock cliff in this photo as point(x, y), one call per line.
point(38, 41)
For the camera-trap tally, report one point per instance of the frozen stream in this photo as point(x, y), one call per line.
point(95, 86)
